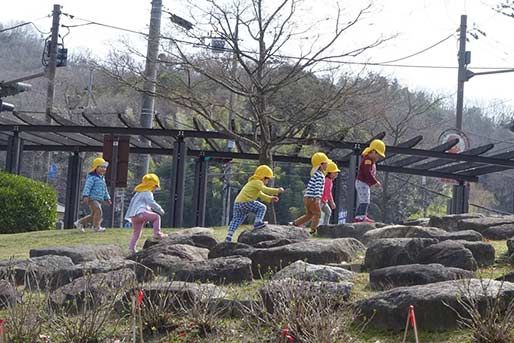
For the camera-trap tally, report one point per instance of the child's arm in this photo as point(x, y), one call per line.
point(270, 190)
point(153, 204)
point(87, 187)
point(264, 197)
point(107, 196)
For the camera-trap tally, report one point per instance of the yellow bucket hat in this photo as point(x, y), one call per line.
point(261, 172)
point(150, 181)
point(98, 162)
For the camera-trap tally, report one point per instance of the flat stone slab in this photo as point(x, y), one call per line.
point(433, 303)
point(198, 237)
point(499, 232)
point(271, 233)
point(449, 254)
point(404, 231)
point(481, 224)
point(450, 222)
point(81, 253)
point(350, 230)
point(389, 252)
point(302, 271)
point(414, 274)
point(220, 271)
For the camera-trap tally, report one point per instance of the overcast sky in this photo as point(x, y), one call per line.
point(418, 23)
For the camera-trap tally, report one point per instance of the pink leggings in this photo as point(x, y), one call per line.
point(139, 221)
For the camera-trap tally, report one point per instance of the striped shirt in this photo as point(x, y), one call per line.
point(315, 185)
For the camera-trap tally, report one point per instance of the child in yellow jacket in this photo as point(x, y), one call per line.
point(246, 200)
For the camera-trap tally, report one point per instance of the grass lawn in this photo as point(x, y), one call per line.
point(18, 246)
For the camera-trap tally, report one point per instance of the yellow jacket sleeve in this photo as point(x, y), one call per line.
point(269, 190)
point(264, 197)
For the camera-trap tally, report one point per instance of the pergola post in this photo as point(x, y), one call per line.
point(460, 199)
point(72, 189)
point(178, 170)
point(337, 190)
point(14, 153)
point(200, 190)
point(350, 191)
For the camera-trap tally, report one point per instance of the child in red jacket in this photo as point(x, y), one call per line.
point(366, 178)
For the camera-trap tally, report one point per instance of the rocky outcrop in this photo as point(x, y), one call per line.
point(273, 233)
point(81, 253)
point(302, 271)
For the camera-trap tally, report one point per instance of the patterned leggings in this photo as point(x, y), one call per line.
point(363, 199)
point(241, 210)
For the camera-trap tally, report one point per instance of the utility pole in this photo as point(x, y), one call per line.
point(50, 74)
point(148, 97)
point(464, 59)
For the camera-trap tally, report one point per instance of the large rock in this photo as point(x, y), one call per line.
point(320, 251)
point(355, 230)
point(275, 243)
point(38, 273)
point(433, 303)
point(499, 232)
point(404, 231)
point(449, 254)
point(510, 246)
point(221, 270)
point(271, 233)
point(394, 251)
point(509, 277)
point(93, 290)
point(318, 293)
point(483, 253)
point(302, 271)
point(82, 253)
point(69, 274)
point(481, 224)
point(417, 222)
point(8, 294)
point(198, 236)
point(450, 222)
point(160, 258)
point(414, 274)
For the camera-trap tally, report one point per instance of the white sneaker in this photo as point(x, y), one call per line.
point(132, 251)
point(100, 229)
point(79, 226)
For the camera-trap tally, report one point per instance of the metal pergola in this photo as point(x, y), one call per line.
point(20, 132)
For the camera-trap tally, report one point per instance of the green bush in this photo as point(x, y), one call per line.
point(26, 205)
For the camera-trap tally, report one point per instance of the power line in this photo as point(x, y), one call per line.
point(421, 51)
point(206, 46)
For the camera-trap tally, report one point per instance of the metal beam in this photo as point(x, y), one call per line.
point(350, 188)
point(464, 166)
point(414, 159)
point(441, 162)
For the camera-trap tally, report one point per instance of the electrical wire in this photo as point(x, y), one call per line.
point(421, 51)
point(206, 46)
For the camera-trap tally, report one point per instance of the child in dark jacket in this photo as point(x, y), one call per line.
point(366, 178)
point(94, 194)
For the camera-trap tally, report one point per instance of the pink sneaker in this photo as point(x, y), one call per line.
point(368, 220)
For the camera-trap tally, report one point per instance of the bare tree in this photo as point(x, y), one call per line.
point(279, 94)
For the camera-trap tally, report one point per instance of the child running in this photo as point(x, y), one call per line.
point(94, 194)
point(246, 200)
point(327, 200)
point(313, 193)
point(139, 210)
point(366, 178)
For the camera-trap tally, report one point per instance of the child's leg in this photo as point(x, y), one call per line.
point(96, 209)
point(238, 218)
point(155, 219)
point(363, 199)
point(260, 211)
point(315, 210)
point(327, 212)
point(308, 215)
point(137, 225)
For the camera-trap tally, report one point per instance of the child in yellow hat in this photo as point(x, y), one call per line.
point(313, 193)
point(94, 194)
point(246, 200)
point(366, 178)
point(140, 210)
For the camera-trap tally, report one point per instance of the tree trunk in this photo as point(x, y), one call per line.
point(266, 157)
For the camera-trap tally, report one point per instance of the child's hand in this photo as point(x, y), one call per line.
point(379, 184)
point(85, 200)
point(281, 190)
point(275, 198)
point(109, 202)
